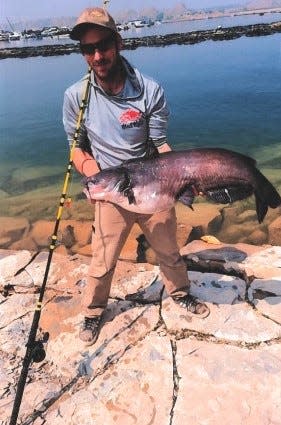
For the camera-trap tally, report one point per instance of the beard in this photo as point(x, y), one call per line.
point(106, 70)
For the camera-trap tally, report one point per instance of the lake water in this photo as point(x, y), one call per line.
point(224, 93)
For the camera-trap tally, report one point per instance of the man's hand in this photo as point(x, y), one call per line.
point(84, 163)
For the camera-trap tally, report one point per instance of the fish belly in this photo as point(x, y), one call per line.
point(147, 201)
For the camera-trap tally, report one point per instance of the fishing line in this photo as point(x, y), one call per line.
point(35, 348)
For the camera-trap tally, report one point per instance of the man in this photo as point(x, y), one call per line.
point(126, 118)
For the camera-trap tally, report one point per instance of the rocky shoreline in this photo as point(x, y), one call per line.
point(227, 365)
point(192, 37)
point(233, 224)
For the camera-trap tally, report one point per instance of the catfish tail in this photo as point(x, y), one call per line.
point(266, 195)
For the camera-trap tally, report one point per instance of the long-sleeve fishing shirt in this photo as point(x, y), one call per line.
point(119, 127)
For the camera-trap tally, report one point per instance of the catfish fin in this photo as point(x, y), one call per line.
point(229, 194)
point(186, 197)
point(126, 187)
point(126, 182)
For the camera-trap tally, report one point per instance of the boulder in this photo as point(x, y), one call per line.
point(24, 243)
point(12, 229)
point(257, 237)
point(274, 232)
point(70, 232)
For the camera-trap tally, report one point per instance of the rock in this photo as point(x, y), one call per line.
point(150, 352)
point(265, 263)
point(13, 228)
point(227, 382)
point(15, 307)
point(265, 294)
point(131, 278)
point(257, 237)
point(115, 337)
point(14, 334)
point(63, 275)
point(70, 232)
point(248, 215)
point(200, 246)
point(265, 286)
point(217, 289)
point(85, 250)
point(5, 242)
point(234, 233)
point(274, 232)
point(135, 385)
point(24, 243)
point(202, 215)
point(35, 394)
point(270, 307)
point(11, 264)
point(41, 233)
point(237, 322)
point(62, 250)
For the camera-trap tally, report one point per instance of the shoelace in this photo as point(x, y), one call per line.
point(91, 323)
point(188, 301)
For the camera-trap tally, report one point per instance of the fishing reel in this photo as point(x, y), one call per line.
point(38, 352)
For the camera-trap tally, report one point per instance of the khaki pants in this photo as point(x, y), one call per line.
point(112, 227)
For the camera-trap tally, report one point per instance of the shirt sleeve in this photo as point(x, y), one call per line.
point(71, 109)
point(158, 118)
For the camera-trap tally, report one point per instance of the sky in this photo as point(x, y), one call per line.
point(33, 9)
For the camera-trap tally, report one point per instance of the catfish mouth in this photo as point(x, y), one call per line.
point(101, 189)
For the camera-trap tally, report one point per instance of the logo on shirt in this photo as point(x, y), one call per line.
point(131, 118)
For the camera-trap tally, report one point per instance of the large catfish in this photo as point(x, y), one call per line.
point(150, 185)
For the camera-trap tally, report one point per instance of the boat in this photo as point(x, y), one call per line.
point(139, 24)
point(4, 36)
point(14, 36)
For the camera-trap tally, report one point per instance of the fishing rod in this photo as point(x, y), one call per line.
point(35, 348)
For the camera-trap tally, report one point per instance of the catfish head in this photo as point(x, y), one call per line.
point(109, 185)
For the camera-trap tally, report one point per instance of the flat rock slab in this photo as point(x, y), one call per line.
point(264, 264)
point(130, 392)
point(15, 307)
point(241, 249)
point(224, 384)
point(64, 272)
point(216, 288)
point(11, 262)
point(123, 325)
point(130, 278)
point(35, 395)
point(238, 322)
point(270, 307)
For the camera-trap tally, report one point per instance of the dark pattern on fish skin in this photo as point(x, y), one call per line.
point(226, 195)
point(126, 187)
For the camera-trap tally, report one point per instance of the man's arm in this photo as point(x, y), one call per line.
point(84, 163)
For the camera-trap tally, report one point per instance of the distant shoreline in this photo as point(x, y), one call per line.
point(215, 15)
point(192, 37)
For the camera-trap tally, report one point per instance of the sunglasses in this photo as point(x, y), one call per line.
point(101, 46)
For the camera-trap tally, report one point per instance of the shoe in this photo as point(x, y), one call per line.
point(90, 330)
point(193, 306)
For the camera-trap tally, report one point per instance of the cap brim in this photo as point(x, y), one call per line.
point(77, 30)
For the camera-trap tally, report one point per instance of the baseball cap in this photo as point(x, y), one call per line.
point(92, 16)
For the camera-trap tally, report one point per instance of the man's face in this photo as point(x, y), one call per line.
point(101, 51)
